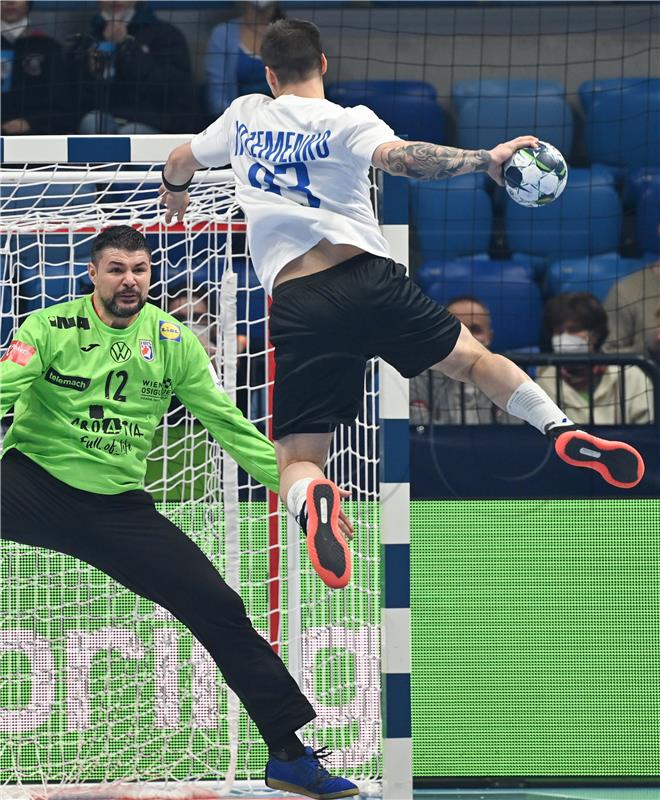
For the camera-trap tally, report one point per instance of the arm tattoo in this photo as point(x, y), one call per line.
point(432, 161)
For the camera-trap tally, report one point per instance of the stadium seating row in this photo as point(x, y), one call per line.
point(509, 287)
point(512, 293)
point(622, 114)
point(455, 218)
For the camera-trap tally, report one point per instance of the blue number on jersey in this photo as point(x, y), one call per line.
point(262, 178)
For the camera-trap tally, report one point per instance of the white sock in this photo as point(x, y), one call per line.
point(531, 403)
point(297, 495)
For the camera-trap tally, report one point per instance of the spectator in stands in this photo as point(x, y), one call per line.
point(131, 74)
point(576, 323)
point(631, 306)
point(437, 399)
point(31, 74)
point(233, 64)
point(192, 309)
point(653, 338)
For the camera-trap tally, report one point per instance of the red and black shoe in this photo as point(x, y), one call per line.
point(617, 462)
point(327, 548)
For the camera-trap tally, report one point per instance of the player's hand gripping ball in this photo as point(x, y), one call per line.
point(535, 177)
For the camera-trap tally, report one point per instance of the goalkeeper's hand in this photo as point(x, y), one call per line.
point(176, 204)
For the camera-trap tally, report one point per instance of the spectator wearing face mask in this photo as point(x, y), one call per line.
point(233, 64)
point(192, 309)
point(437, 399)
point(631, 306)
point(32, 81)
point(576, 323)
point(131, 73)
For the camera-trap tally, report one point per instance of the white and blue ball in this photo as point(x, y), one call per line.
point(535, 176)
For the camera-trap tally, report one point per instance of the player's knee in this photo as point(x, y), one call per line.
point(220, 603)
point(464, 359)
point(233, 609)
point(302, 447)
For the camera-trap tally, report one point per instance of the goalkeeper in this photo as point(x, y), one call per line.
point(89, 381)
point(301, 166)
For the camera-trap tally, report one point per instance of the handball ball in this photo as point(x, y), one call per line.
point(535, 177)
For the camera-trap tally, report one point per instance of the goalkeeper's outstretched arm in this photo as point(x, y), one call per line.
point(23, 362)
point(177, 175)
point(427, 161)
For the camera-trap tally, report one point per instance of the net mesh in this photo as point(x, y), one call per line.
point(99, 686)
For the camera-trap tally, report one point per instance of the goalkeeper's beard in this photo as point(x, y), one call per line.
point(113, 307)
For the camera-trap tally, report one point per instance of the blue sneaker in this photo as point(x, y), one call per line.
point(307, 776)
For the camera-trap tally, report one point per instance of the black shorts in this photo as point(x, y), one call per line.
point(326, 326)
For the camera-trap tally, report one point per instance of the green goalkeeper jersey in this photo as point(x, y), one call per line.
point(87, 397)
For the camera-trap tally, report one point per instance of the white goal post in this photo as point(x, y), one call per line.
point(104, 694)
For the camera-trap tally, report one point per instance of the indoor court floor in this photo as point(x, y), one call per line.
point(587, 793)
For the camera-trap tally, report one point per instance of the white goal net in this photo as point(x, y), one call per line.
point(101, 691)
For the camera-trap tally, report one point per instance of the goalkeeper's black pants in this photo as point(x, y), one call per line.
point(124, 536)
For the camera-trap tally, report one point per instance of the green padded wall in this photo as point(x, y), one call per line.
point(536, 637)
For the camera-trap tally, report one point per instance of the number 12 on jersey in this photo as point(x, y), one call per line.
point(262, 178)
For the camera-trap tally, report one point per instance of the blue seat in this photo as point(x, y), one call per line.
point(432, 271)
point(639, 180)
point(595, 274)
point(47, 272)
point(537, 264)
point(352, 89)
point(142, 196)
point(43, 287)
point(251, 305)
point(483, 122)
point(505, 287)
point(7, 282)
point(451, 217)
point(623, 121)
point(585, 220)
point(647, 220)
point(184, 260)
point(410, 107)
point(588, 91)
point(66, 196)
point(478, 88)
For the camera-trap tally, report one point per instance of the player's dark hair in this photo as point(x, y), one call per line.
point(578, 311)
point(123, 237)
point(292, 49)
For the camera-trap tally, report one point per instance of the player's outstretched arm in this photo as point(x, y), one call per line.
point(177, 174)
point(427, 161)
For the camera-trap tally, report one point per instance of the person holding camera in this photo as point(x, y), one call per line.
point(131, 73)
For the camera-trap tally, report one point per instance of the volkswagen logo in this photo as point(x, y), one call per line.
point(120, 352)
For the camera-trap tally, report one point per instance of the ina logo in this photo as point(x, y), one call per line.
point(146, 349)
point(120, 352)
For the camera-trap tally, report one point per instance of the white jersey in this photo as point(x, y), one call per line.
point(301, 167)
